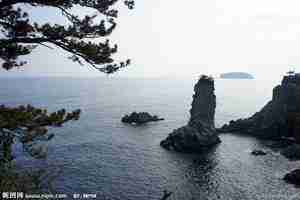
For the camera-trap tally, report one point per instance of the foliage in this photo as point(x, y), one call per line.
point(29, 125)
point(205, 78)
point(13, 181)
point(27, 181)
point(20, 35)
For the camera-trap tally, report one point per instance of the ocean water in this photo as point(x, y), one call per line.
point(100, 155)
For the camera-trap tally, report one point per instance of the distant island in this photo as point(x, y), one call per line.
point(236, 75)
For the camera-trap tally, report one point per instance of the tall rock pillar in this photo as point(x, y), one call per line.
point(204, 104)
point(199, 133)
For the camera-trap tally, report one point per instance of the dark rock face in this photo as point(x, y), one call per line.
point(140, 118)
point(292, 152)
point(203, 108)
point(293, 177)
point(275, 120)
point(258, 153)
point(199, 133)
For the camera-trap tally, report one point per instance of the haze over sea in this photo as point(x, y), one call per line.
point(98, 154)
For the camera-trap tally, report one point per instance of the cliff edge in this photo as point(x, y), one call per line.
point(279, 118)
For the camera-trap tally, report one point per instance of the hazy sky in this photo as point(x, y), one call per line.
point(183, 38)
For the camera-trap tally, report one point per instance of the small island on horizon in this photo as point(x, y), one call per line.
point(236, 75)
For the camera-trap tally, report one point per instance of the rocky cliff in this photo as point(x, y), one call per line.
point(200, 132)
point(278, 118)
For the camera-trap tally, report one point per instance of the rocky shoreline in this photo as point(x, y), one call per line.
point(279, 118)
point(277, 121)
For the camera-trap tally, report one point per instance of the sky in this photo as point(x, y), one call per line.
point(166, 38)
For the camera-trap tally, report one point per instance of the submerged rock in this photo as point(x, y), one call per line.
point(199, 133)
point(293, 177)
point(278, 118)
point(140, 118)
point(258, 153)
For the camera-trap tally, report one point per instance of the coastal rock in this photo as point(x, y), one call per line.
point(200, 132)
point(140, 118)
point(279, 144)
point(293, 177)
point(203, 108)
point(278, 118)
point(292, 152)
point(258, 153)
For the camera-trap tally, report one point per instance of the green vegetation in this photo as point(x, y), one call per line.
point(29, 125)
point(19, 36)
point(31, 181)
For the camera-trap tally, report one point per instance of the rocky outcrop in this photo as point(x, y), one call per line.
point(276, 119)
point(293, 177)
point(200, 132)
point(292, 152)
point(140, 118)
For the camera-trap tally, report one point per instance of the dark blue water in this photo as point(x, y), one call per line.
point(98, 154)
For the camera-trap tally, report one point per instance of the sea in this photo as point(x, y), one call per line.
point(106, 159)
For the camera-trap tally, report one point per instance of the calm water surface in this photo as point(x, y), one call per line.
point(99, 154)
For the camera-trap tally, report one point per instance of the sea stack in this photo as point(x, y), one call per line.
point(279, 118)
point(140, 118)
point(200, 133)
